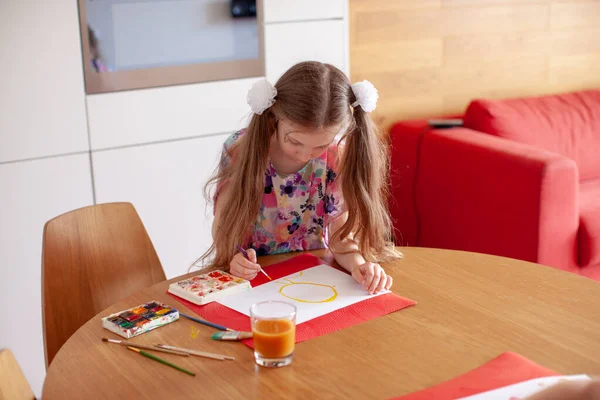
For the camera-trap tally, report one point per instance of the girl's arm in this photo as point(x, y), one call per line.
point(347, 254)
point(571, 390)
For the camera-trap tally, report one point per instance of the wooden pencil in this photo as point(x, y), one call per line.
point(143, 346)
point(160, 360)
point(198, 353)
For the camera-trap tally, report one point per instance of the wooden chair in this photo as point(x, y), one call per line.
point(91, 258)
point(13, 385)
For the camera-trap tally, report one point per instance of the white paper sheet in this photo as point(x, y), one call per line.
point(521, 390)
point(315, 291)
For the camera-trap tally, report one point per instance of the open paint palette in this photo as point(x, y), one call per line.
point(208, 287)
point(140, 319)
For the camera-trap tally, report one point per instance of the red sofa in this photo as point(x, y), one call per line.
point(520, 179)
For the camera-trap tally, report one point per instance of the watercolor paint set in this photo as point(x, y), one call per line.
point(208, 287)
point(140, 319)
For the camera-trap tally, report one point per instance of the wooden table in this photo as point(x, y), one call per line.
point(471, 307)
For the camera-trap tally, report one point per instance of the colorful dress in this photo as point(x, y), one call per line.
point(295, 208)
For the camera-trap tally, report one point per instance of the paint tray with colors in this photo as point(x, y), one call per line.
point(140, 319)
point(208, 287)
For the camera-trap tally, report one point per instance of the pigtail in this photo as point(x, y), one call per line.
point(247, 177)
point(364, 172)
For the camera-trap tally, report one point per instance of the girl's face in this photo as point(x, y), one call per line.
point(300, 144)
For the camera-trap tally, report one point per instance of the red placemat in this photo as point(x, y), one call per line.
point(504, 370)
point(328, 323)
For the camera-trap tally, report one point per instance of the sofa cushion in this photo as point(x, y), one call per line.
point(568, 124)
point(589, 224)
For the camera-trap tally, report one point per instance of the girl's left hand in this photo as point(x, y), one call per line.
point(373, 277)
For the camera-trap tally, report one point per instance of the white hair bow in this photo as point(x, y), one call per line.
point(366, 95)
point(261, 96)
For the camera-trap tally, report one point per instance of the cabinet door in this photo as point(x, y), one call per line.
point(31, 193)
point(167, 113)
point(42, 100)
point(288, 44)
point(294, 10)
point(165, 183)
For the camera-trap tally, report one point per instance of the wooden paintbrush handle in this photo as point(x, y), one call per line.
point(143, 346)
point(198, 353)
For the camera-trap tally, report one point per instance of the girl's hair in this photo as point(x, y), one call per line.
point(313, 95)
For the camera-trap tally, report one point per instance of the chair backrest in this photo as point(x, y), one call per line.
point(91, 258)
point(13, 385)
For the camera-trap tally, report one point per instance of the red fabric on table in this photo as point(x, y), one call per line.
point(504, 370)
point(328, 323)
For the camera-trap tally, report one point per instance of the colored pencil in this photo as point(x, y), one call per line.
point(160, 360)
point(143, 346)
point(198, 353)
point(245, 253)
point(201, 321)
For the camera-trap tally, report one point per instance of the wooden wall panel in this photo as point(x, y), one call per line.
point(575, 72)
point(471, 3)
point(405, 54)
point(370, 5)
point(575, 14)
point(583, 41)
point(432, 57)
point(463, 49)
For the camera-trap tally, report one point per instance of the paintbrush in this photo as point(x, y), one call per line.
point(233, 335)
point(245, 254)
point(207, 323)
point(142, 346)
point(160, 360)
point(197, 353)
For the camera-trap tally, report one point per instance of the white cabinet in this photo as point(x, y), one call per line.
point(42, 100)
point(155, 148)
point(165, 183)
point(166, 113)
point(31, 193)
point(294, 10)
point(288, 44)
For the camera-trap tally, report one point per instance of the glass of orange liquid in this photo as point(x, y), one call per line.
point(274, 332)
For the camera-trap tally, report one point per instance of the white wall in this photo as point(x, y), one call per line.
point(42, 106)
point(154, 148)
point(42, 119)
point(32, 192)
point(165, 182)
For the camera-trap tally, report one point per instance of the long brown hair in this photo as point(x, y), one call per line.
point(313, 95)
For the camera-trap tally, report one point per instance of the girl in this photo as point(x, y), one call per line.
point(310, 170)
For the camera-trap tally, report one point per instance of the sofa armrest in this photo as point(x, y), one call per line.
point(480, 193)
point(404, 146)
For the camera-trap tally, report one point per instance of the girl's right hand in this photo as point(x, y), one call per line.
point(243, 268)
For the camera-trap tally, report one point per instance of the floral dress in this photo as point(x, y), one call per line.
point(295, 208)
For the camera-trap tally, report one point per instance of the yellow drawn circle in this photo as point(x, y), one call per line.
point(335, 293)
